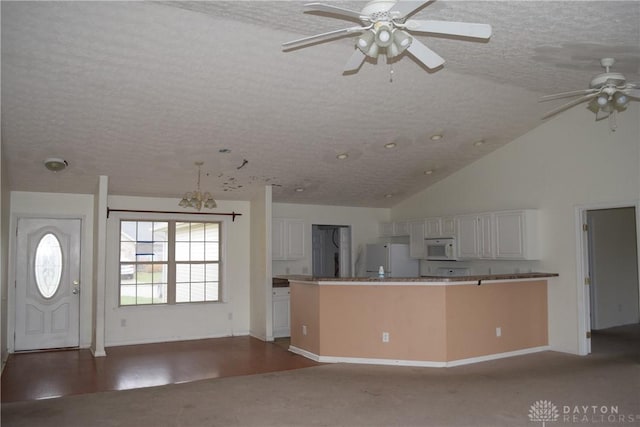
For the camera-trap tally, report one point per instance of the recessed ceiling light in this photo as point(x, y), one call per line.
point(224, 150)
point(479, 142)
point(428, 172)
point(390, 145)
point(342, 156)
point(55, 164)
point(299, 190)
point(436, 137)
point(388, 196)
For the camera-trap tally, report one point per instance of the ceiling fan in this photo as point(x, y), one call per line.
point(386, 30)
point(608, 92)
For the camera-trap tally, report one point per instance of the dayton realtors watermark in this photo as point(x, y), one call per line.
point(545, 411)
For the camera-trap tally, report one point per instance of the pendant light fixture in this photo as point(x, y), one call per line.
point(197, 199)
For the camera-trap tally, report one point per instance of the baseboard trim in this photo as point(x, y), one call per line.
point(415, 363)
point(169, 339)
point(498, 356)
point(96, 353)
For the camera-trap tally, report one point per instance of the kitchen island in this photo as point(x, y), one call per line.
point(435, 321)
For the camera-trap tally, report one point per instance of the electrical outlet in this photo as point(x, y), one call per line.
point(498, 332)
point(385, 337)
point(123, 322)
point(304, 329)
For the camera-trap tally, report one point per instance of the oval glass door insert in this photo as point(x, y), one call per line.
point(48, 265)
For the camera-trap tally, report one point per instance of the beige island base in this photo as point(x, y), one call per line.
point(432, 321)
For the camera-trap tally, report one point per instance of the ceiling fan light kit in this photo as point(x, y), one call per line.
point(608, 93)
point(386, 31)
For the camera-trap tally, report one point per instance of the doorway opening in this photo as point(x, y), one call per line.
point(608, 270)
point(331, 246)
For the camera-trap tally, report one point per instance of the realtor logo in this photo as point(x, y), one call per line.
point(543, 411)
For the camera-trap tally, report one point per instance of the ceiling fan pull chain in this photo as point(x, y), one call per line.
point(612, 121)
point(390, 73)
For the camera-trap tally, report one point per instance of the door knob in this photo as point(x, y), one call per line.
point(75, 291)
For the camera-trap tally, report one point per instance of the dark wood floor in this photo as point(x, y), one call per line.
point(30, 376)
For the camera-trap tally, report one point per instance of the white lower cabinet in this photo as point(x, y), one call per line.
point(281, 312)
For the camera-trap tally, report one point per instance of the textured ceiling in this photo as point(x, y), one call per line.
point(139, 91)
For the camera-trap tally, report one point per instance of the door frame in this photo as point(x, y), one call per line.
point(11, 264)
point(582, 265)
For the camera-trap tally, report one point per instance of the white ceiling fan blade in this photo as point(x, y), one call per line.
point(463, 29)
point(569, 105)
point(425, 55)
point(335, 10)
point(354, 63)
point(405, 8)
point(568, 94)
point(322, 37)
point(634, 93)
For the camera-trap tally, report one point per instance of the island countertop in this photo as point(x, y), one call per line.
point(426, 278)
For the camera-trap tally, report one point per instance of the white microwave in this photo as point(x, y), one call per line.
point(443, 249)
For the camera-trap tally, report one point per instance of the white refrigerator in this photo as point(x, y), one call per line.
point(395, 259)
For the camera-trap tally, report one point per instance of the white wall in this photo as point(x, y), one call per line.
point(181, 321)
point(364, 228)
point(57, 205)
point(261, 312)
point(568, 161)
point(4, 255)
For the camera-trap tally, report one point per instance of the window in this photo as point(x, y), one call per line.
point(168, 262)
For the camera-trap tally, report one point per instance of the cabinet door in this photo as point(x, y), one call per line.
point(294, 246)
point(516, 235)
point(448, 226)
point(485, 238)
point(385, 229)
point(467, 226)
point(277, 239)
point(281, 313)
point(432, 227)
point(401, 228)
point(416, 239)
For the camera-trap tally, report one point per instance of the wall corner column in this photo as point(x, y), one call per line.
point(99, 267)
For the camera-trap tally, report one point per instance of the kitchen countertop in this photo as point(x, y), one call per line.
point(426, 278)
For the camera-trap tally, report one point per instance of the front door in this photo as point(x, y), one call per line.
point(47, 283)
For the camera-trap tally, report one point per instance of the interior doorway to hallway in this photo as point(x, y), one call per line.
point(331, 246)
point(608, 279)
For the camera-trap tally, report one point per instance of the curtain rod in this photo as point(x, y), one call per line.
point(233, 215)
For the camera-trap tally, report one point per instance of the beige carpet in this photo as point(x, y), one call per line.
point(496, 393)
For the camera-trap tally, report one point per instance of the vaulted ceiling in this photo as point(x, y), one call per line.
point(139, 91)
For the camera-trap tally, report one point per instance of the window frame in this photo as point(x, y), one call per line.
point(171, 258)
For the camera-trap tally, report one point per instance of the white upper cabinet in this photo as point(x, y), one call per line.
point(416, 239)
point(517, 234)
point(401, 228)
point(432, 227)
point(440, 227)
point(498, 235)
point(468, 236)
point(287, 239)
point(448, 226)
point(391, 229)
point(385, 229)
